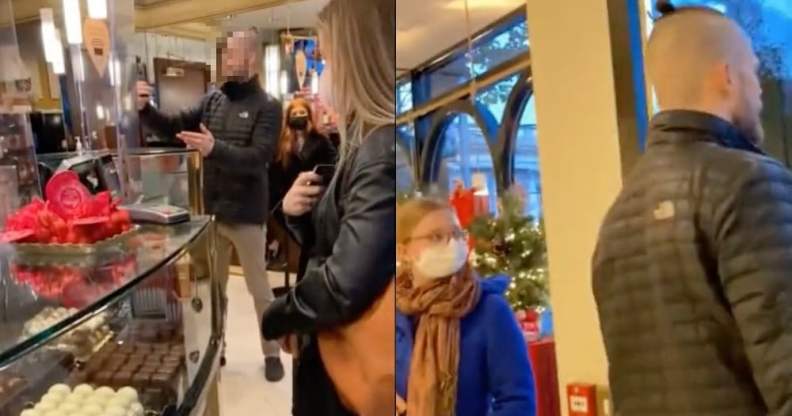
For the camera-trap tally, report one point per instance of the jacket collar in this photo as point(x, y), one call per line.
point(709, 127)
point(236, 90)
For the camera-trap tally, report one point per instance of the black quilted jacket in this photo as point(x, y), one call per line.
point(693, 276)
point(246, 124)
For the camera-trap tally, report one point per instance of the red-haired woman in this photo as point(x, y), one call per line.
point(301, 148)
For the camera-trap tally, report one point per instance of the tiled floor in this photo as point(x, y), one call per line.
point(243, 389)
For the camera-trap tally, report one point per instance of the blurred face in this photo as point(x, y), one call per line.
point(239, 56)
point(747, 94)
point(436, 229)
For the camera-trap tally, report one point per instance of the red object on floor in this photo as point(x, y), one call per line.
point(543, 361)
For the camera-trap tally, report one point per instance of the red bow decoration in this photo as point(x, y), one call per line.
point(71, 215)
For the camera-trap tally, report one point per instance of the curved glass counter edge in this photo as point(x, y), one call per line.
point(196, 398)
point(12, 354)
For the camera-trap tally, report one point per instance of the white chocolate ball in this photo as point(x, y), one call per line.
point(129, 393)
point(115, 411)
point(53, 413)
point(74, 398)
point(83, 389)
point(106, 391)
point(137, 409)
point(30, 412)
point(61, 389)
point(98, 399)
point(69, 407)
point(54, 398)
point(92, 410)
point(119, 401)
point(44, 407)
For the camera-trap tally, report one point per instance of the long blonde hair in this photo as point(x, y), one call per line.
point(360, 36)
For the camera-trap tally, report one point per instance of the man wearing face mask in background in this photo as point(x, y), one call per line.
point(692, 273)
point(236, 130)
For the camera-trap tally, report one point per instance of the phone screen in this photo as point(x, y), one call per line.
point(326, 172)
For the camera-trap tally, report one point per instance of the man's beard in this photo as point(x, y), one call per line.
point(750, 126)
point(753, 131)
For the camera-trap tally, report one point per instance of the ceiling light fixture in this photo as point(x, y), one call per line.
point(97, 9)
point(73, 20)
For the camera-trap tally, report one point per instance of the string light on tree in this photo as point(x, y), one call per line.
point(520, 254)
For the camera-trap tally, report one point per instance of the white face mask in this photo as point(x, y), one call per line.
point(442, 260)
point(326, 88)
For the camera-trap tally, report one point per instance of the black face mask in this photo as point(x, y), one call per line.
point(298, 123)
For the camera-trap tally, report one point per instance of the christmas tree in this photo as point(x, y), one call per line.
point(514, 245)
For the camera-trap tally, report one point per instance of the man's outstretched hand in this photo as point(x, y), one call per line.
point(203, 142)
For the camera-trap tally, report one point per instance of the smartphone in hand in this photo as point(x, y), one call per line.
point(326, 172)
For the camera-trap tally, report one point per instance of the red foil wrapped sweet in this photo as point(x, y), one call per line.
point(71, 215)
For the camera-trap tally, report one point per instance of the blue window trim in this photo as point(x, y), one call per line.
point(639, 79)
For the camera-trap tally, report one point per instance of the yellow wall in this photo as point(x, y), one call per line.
point(580, 165)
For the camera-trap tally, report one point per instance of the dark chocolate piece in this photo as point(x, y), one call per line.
point(127, 348)
point(122, 378)
point(161, 380)
point(141, 380)
point(104, 378)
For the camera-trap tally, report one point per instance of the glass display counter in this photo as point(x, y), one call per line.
point(131, 329)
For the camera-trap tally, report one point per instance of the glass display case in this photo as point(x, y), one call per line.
point(132, 329)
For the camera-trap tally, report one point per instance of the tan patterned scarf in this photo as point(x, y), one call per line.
point(439, 305)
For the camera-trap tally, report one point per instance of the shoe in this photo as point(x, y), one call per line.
point(222, 361)
point(273, 369)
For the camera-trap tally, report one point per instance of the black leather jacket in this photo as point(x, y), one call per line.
point(353, 259)
point(693, 276)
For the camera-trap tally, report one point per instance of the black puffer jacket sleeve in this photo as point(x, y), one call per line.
point(338, 288)
point(754, 239)
point(167, 125)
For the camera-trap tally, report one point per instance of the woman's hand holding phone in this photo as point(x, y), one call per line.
point(303, 195)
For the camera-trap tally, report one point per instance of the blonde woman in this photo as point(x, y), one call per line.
point(352, 225)
point(459, 350)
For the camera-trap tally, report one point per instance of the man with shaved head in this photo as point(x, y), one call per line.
point(692, 272)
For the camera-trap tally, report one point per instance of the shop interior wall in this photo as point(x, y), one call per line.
point(580, 161)
point(154, 45)
point(45, 88)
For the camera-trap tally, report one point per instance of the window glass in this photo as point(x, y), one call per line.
point(503, 44)
point(526, 161)
point(404, 97)
point(405, 181)
point(496, 96)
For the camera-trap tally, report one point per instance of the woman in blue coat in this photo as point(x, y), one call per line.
point(459, 350)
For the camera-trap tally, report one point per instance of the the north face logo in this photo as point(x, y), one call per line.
point(664, 211)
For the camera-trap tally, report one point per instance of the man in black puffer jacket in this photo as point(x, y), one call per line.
point(692, 273)
point(236, 130)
